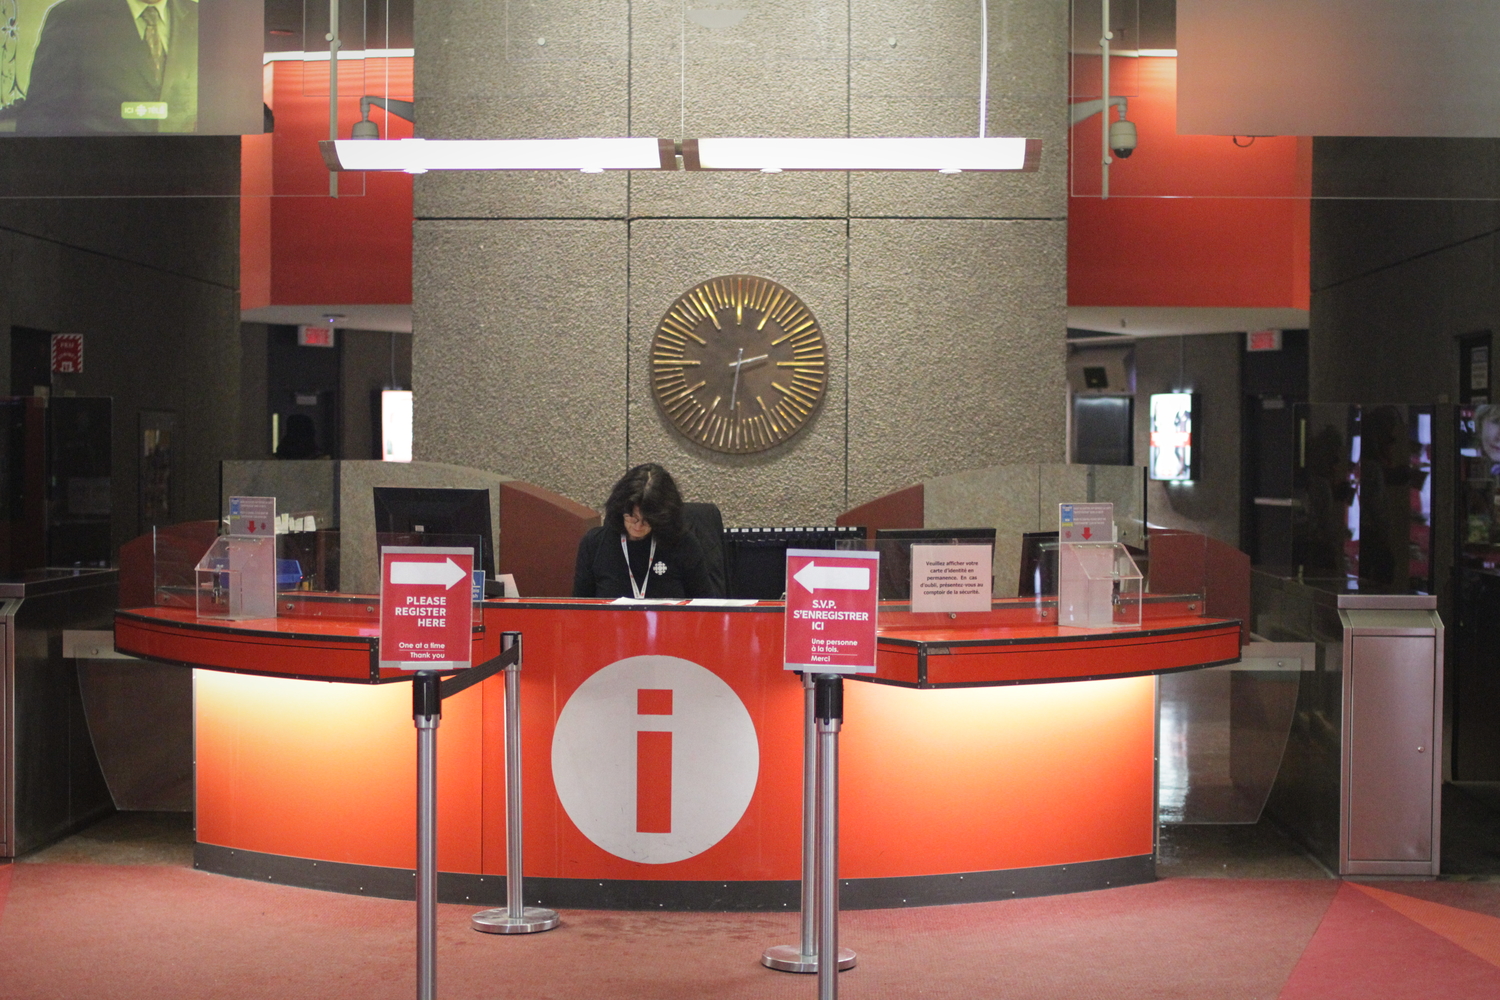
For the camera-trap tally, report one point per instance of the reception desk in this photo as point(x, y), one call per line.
point(991, 757)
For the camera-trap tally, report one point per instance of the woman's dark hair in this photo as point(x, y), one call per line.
point(651, 488)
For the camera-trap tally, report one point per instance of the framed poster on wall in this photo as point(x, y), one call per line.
point(1474, 368)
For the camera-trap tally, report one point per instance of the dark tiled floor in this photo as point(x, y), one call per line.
point(125, 838)
point(1249, 850)
point(1471, 829)
point(1471, 843)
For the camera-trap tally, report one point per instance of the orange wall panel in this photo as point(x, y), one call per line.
point(1012, 777)
point(933, 781)
point(1191, 220)
point(353, 249)
point(312, 769)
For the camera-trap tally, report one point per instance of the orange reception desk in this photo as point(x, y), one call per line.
point(992, 757)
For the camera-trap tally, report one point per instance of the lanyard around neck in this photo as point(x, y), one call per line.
point(639, 589)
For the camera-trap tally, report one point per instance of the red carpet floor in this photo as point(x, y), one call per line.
point(118, 932)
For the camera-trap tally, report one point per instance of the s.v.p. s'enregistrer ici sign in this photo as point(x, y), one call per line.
point(831, 610)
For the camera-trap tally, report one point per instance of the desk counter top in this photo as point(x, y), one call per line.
point(336, 637)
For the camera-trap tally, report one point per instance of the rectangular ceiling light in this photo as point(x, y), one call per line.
point(591, 156)
point(945, 155)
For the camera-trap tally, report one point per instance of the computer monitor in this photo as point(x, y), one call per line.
point(1038, 564)
point(417, 512)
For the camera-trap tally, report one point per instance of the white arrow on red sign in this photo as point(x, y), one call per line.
point(442, 574)
point(814, 577)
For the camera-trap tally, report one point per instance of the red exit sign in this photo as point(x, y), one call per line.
point(1263, 340)
point(315, 336)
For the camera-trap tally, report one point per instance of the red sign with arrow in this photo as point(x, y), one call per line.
point(831, 608)
point(426, 607)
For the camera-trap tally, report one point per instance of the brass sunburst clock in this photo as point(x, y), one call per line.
point(738, 364)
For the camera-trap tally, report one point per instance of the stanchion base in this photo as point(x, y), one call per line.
point(499, 920)
point(789, 958)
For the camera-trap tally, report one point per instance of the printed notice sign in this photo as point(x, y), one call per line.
point(253, 516)
point(831, 610)
point(1086, 522)
point(426, 607)
point(951, 577)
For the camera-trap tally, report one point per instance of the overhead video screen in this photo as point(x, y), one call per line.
point(127, 67)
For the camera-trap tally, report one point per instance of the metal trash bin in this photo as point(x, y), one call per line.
point(1390, 806)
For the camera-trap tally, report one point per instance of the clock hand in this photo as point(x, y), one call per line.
point(748, 361)
point(734, 392)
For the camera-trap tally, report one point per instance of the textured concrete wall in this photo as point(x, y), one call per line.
point(941, 298)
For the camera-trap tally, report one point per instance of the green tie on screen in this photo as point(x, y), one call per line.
point(151, 17)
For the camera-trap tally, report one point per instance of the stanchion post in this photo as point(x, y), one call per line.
point(830, 711)
point(803, 956)
point(515, 917)
point(426, 713)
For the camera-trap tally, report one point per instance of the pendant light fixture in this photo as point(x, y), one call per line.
point(945, 155)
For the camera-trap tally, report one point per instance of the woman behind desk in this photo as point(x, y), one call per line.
point(642, 550)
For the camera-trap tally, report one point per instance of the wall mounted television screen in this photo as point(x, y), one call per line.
point(131, 67)
point(1173, 457)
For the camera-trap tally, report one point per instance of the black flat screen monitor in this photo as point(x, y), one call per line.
point(895, 545)
point(418, 512)
point(1038, 565)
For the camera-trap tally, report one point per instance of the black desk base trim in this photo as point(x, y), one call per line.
point(619, 894)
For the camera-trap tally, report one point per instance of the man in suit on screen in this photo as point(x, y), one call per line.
point(112, 66)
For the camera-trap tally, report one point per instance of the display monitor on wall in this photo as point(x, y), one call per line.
point(1174, 454)
point(442, 512)
point(395, 425)
point(117, 67)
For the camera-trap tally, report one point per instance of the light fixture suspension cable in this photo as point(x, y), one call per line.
point(1104, 36)
point(334, 44)
point(682, 75)
point(984, 64)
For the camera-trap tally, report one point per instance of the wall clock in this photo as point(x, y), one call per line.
point(738, 364)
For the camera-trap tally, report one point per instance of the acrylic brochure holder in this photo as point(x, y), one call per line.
point(236, 579)
point(1098, 586)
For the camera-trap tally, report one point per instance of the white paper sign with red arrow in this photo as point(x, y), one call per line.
point(251, 516)
point(1086, 522)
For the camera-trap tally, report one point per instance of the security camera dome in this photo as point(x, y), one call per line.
point(1122, 138)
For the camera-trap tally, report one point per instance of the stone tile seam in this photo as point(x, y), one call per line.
point(118, 259)
point(1407, 260)
point(743, 218)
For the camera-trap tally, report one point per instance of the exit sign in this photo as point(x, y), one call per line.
point(1263, 340)
point(315, 336)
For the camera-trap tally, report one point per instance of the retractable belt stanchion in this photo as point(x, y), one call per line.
point(830, 712)
point(515, 917)
point(803, 957)
point(426, 712)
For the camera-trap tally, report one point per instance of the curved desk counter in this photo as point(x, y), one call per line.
point(663, 753)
